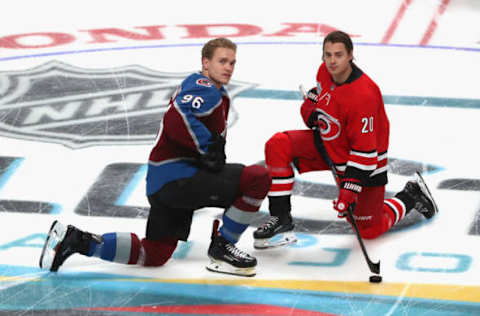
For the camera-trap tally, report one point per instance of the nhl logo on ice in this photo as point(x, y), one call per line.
point(78, 107)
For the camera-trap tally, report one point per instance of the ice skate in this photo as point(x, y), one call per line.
point(61, 243)
point(419, 192)
point(274, 233)
point(226, 258)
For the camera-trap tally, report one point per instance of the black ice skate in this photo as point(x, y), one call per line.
point(418, 191)
point(274, 233)
point(62, 242)
point(226, 258)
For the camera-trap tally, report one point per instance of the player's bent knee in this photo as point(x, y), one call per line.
point(278, 150)
point(255, 181)
point(157, 253)
point(278, 140)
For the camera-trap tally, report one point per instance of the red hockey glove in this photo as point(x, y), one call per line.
point(349, 190)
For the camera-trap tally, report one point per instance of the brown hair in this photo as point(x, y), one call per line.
point(339, 37)
point(209, 48)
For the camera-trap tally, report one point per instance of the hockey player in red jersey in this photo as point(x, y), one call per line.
point(347, 109)
point(186, 171)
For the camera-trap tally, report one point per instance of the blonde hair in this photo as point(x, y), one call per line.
point(209, 48)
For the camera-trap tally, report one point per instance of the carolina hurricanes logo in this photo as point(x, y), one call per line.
point(329, 126)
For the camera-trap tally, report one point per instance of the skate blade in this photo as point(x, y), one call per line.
point(223, 267)
point(279, 240)
point(55, 236)
point(425, 190)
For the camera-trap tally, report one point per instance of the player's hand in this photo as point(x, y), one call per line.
point(214, 159)
point(312, 96)
point(348, 195)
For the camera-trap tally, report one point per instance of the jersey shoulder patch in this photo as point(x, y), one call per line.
point(204, 82)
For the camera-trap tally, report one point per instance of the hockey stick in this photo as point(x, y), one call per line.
point(373, 266)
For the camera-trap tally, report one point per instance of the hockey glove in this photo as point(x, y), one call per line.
point(313, 118)
point(214, 159)
point(348, 195)
point(312, 95)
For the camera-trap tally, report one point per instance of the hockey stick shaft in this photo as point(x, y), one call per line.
point(373, 266)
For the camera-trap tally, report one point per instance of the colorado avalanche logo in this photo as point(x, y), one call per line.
point(204, 82)
point(329, 126)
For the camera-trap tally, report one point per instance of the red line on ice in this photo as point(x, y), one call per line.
point(434, 22)
point(398, 17)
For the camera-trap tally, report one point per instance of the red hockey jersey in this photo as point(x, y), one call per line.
point(353, 125)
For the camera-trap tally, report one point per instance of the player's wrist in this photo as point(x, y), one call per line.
point(312, 95)
point(352, 185)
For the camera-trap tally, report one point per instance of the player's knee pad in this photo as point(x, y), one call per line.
point(255, 181)
point(158, 252)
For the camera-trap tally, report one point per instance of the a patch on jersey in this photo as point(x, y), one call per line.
point(329, 126)
point(78, 107)
point(204, 82)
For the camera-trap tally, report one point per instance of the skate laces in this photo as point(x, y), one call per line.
point(237, 252)
point(272, 222)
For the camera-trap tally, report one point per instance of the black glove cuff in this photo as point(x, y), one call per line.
point(312, 95)
point(351, 186)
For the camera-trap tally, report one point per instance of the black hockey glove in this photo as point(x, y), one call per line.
point(214, 159)
point(313, 118)
point(312, 95)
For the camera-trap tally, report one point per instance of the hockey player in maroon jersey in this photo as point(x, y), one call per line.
point(186, 171)
point(347, 109)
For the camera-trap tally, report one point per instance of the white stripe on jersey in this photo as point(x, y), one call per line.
point(361, 166)
point(382, 156)
point(209, 111)
point(189, 129)
point(156, 164)
point(362, 154)
point(379, 170)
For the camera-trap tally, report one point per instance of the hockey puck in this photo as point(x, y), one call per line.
point(375, 279)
